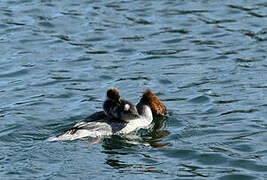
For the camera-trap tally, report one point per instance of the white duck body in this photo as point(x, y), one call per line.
point(96, 128)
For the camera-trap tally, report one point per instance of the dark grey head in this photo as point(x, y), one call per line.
point(113, 94)
point(128, 111)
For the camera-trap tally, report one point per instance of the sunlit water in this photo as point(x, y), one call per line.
point(206, 60)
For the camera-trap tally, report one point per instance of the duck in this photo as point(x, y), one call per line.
point(99, 125)
point(117, 109)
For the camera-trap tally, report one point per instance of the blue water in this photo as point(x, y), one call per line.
point(206, 60)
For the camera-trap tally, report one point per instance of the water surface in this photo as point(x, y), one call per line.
point(205, 59)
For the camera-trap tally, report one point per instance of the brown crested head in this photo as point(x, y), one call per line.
point(113, 93)
point(150, 99)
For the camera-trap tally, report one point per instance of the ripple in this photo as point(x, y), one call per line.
point(194, 84)
point(78, 89)
point(60, 77)
point(95, 39)
point(163, 52)
point(170, 12)
point(133, 78)
point(71, 13)
point(57, 81)
point(97, 52)
point(105, 77)
point(239, 111)
point(16, 73)
point(126, 50)
point(213, 21)
point(237, 176)
point(4, 133)
point(158, 57)
point(211, 159)
point(15, 23)
point(249, 165)
point(226, 101)
point(62, 37)
point(133, 38)
point(165, 81)
point(206, 42)
point(180, 31)
point(180, 153)
point(79, 44)
point(108, 67)
point(248, 135)
point(242, 60)
point(200, 99)
point(46, 24)
point(175, 99)
point(259, 86)
point(63, 95)
point(139, 21)
point(172, 41)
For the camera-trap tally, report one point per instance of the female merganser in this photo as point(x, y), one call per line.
point(99, 125)
point(118, 109)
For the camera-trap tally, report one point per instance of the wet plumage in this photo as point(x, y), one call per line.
point(118, 109)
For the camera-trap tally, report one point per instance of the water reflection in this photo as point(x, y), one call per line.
point(144, 137)
point(138, 167)
point(116, 147)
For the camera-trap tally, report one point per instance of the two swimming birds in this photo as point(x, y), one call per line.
point(119, 116)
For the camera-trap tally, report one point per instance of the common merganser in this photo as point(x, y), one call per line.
point(99, 125)
point(118, 109)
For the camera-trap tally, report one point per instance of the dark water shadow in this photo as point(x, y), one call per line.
point(118, 147)
point(143, 137)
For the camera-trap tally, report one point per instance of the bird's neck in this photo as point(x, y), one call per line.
point(145, 112)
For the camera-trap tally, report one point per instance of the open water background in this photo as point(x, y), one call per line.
point(206, 60)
